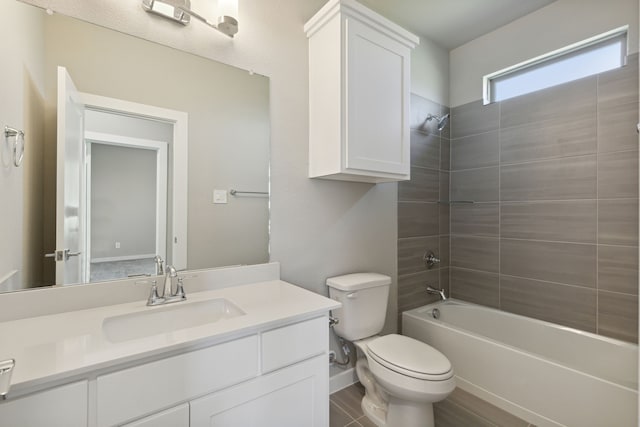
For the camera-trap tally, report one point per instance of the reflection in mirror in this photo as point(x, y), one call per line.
point(126, 187)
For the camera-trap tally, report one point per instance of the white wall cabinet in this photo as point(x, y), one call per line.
point(359, 88)
point(273, 377)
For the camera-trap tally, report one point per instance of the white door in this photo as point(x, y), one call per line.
point(69, 191)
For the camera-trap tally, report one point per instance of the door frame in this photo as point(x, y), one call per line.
point(178, 162)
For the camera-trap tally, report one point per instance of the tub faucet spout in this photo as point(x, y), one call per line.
point(440, 292)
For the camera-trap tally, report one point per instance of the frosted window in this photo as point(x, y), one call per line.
point(557, 68)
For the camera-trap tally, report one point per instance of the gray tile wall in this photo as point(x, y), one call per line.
point(423, 218)
point(553, 233)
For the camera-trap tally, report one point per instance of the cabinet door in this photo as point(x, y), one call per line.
point(377, 79)
point(291, 397)
point(174, 417)
point(64, 406)
point(145, 389)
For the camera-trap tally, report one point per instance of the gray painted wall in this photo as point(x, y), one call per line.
point(123, 201)
point(21, 87)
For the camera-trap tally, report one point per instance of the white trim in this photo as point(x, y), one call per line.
point(342, 380)
point(86, 196)
point(486, 80)
point(122, 258)
point(179, 120)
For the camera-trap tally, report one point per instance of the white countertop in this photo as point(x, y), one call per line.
point(51, 348)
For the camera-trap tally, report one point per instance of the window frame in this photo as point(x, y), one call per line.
point(620, 32)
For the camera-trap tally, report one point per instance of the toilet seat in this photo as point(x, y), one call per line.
point(410, 357)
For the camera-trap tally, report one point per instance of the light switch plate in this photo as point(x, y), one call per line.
point(219, 196)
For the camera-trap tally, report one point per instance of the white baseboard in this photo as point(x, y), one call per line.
point(342, 380)
point(123, 258)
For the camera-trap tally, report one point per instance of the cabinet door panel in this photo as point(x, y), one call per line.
point(174, 417)
point(377, 101)
point(64, 406)
point(292, 397)
point(131, 393)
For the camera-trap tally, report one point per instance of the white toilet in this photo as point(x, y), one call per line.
point(402, 376)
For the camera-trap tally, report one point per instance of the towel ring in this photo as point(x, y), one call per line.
point(18, 141)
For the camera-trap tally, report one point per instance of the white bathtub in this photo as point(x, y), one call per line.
point(546, 374)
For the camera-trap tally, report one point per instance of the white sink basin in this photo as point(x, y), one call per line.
point(170, 318)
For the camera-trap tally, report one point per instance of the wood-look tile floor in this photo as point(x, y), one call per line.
point(345, 409)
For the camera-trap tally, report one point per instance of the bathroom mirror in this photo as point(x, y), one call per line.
point(131, 186)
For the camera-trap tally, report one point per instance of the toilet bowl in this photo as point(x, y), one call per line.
point(402, 377)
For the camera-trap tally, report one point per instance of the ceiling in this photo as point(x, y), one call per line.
point(452, 23)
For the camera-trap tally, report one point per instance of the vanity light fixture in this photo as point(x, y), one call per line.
point(180, 11)
point(172, 9)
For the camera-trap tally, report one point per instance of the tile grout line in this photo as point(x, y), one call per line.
point(597, 206)
point(499, 207)
point(343, 410)
point(451, 123)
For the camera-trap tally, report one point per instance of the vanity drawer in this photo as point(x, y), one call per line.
point(294, 343)
point(144, 389)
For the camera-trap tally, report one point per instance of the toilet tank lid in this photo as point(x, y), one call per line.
point(356, 281)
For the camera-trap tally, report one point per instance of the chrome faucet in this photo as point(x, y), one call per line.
point(168, 296)
point(168, 281)
point(435, 291)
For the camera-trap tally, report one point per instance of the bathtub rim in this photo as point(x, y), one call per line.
point(455, 301)
point(635, 387)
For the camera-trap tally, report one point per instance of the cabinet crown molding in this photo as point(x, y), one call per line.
point(356, 10)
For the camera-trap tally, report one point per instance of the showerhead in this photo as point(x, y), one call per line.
point(442, 121)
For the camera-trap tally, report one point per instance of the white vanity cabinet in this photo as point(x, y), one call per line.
point(64, 406)
point(266, 367)
point(275, 377)
point(359, 88)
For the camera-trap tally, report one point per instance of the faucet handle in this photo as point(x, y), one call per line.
point(154, 298)
point(180, 286)
point(430, 259)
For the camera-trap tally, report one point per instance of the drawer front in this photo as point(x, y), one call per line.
point(64, 406)
point(141, 390)
point(294, 343)
point(174, 417)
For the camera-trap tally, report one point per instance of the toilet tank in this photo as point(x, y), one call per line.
point(364, 299)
